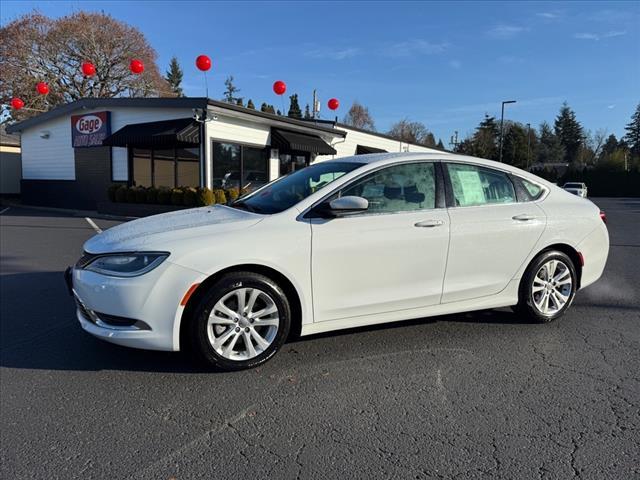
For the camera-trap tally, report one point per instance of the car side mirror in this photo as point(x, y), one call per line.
point(341, 207)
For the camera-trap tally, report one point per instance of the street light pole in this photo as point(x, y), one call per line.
point(502, 124)
point(528, 143)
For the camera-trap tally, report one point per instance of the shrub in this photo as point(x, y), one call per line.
point(204, 196)
point(131, 195)
point(164, 196)
point(190, 197)
point(232, 194)
point(141, 195)
point(111, 191)
point(177, 196)
point(220, 196)
point(151, 195)
point(121, 194)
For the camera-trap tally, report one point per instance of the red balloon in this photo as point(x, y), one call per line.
point(279, 87)
point(17, 103)
point(203, 63)
point(136, 66)
point(333, 104)
point(42, 88)
point(88, 69)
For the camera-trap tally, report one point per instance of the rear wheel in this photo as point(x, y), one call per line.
point(241, 322)
point(548, 287)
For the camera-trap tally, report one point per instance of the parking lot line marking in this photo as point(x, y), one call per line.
point(4, 210)
point(93, 225)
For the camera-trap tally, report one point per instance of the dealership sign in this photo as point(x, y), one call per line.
point(90, 130)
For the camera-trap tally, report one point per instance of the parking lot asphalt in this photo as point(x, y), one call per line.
point(481, 395)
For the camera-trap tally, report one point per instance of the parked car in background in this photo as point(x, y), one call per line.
point(577, 188)
point(342, 243)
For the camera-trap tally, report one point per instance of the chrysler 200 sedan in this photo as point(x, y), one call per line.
point(342, 243)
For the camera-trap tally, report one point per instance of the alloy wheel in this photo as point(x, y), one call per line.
point(243, 324)
point(551, 288)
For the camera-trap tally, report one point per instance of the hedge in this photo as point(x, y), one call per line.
point(180, 196)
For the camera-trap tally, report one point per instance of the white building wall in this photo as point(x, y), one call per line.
point(52, 158)
point(48, 158)
point(354, 138)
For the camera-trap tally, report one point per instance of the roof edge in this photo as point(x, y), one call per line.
point(98, 102)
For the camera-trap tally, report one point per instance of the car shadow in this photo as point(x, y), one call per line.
point(39, 330)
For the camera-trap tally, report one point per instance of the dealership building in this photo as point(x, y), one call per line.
point(71, 154)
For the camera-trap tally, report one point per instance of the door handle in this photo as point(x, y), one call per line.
point(429, 223)
point(523, 217)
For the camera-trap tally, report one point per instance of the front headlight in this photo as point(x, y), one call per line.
point(126, 264)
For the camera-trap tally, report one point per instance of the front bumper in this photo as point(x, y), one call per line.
point(139, 312)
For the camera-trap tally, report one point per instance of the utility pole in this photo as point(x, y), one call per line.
point(528, 143)
point(454, 140)
point(502, 124)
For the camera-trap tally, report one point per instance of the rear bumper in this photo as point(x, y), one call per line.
point(595, 251)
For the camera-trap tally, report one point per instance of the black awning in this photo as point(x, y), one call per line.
point(181, 132)
point(363, 150)
point(286, 140)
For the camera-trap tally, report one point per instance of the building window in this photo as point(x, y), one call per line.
point(141, 163)
point(166, 167)
point(239, 166)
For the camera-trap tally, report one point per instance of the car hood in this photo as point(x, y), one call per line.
point(161, 231)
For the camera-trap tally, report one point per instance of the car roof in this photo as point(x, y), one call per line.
point(381, 159)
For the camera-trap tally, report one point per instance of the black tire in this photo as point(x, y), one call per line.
point(198, 337)
point(526, 305)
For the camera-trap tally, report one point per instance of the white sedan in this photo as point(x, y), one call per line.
point(340, 244)
point(577, 188)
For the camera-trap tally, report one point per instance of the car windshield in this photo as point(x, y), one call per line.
point(291, 189)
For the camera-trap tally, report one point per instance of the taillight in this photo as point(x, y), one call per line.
point(603, 217)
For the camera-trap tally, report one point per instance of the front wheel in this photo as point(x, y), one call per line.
point(241, 322)
point(548, 287)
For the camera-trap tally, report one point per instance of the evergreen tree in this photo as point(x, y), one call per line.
point(239, 102)
point(251, 105)
point(610, 146)
point(571, 135)
point(294, 107)
point(307, 112)
point(267, 108)
point(514, 147)
point(632, 137)
point(440, 144)
point(485, 139)
point(174, 77)
point(231, 91)
point(549, 150)
point(278, 112)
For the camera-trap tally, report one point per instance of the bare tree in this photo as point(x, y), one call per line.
point(593, 143)
point(36, 48)
point(358, 116)
point(412, 132)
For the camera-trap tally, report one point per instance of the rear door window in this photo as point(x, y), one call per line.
point(473, 185)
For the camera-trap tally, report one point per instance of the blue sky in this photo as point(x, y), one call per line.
point(444, 64)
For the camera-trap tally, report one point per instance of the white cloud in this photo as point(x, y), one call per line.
point(457, 64)
point(334, 54)
point(611, 107)
point(506, 31)
point(549, 15)
point(414, 47)
point(599, 36)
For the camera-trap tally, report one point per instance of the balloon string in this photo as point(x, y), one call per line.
point(206, 84)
